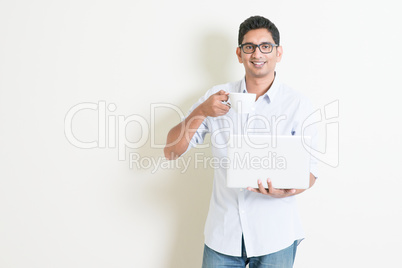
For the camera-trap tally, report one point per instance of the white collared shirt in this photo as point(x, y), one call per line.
point(268, 224)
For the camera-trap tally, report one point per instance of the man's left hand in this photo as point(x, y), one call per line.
point(271, 191)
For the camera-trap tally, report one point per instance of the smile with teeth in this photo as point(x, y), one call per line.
point(258, 63)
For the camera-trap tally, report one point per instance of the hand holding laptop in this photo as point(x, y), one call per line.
point(271, 191)
point(278, 193)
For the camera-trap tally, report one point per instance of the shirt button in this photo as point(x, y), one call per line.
point(242, 211)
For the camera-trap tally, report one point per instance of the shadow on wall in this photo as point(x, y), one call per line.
point(187, 194)
point(218, 51)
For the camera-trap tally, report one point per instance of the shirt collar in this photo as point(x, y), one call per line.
point(270, 95)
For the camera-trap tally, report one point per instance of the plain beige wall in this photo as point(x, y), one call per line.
point(64, 206)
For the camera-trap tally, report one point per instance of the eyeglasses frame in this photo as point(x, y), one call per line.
point(255, 47)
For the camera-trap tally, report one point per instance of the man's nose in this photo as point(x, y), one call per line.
point(257, 52)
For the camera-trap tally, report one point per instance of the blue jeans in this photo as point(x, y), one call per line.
point(281, 259)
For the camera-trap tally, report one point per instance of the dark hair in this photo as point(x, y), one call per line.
point(258, 22)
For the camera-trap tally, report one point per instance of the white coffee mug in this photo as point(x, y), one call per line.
point(242, 102)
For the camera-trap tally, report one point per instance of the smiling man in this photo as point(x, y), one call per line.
point(260, 63)
point(259, 227)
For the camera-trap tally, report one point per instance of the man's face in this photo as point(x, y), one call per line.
point(257, 64)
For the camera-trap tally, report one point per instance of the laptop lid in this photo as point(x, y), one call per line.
point(283, 159)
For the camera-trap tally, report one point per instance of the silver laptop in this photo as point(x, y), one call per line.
point(283, 159)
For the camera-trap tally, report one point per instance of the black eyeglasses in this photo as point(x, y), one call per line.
point(265, 48)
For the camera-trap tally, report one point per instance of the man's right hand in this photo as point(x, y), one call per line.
point(179, 136)
point(213, 106)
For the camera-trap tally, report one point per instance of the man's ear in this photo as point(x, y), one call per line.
point(238, 53)
point(279, 53)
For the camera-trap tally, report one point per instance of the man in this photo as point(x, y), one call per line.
point(259, 227)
